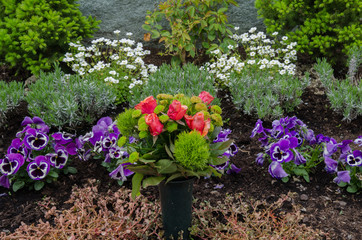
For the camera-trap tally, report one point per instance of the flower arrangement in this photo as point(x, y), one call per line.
point(293, 149)
point(116, 62)
point(34, 157)
point(174, 137)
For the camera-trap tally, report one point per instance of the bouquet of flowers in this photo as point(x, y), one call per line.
point(174, 137)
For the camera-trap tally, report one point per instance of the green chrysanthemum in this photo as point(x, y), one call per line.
point(192, 151)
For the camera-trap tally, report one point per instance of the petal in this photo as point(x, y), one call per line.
point(276, 170)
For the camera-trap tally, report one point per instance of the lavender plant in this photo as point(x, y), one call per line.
point(261, 53)
point(10, 96)
point(345, 96)
point(266, 95)
point(69, 100)
point(116, 62)
point(36, 157)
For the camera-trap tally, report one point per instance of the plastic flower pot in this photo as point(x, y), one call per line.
point(176, 203)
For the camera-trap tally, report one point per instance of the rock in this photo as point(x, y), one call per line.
point(304, 197)
point(30, 80)
point(129, 16)
point(305, 220)
point(341, 203)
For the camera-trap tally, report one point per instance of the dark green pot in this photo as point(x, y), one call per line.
point(176, 204)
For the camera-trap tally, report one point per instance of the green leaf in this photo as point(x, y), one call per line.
point(152, 181)
point(166, 166)
point(306, 178)
point(342, 184)
point(285, 179)
point(18, 185)
point(53, 174)
point(136, 185)
point(205, 45)
point(146, 27)
point(174, 176)
point(169, 153)
point(38, 185)
point(142, 169)
point(155, 34)
point(72, 170)
point(300, 172)
point(147, 160)
point(352, 189)
point(218, 160)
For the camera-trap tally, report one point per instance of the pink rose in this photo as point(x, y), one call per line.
point(176, 111)
point(147, 106)
point(198, 123)
point(154, 124)
point(206, 97)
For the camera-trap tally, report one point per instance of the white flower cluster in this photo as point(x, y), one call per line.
point(261, 54)
point(112, 60)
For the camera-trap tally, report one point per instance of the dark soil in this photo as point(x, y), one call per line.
point(324, 205)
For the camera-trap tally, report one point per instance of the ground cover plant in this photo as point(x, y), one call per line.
point(248, 203)
point(10, 96)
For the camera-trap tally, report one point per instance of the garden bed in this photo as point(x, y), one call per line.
point(323, 205)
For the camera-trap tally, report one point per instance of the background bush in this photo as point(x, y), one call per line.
point(34, 33)
point(265, 95)
point(61, 100)
point(321, 27)
point(189, 80)
point(10, 95)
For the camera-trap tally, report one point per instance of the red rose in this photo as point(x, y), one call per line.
point(147, 106)
point(154, 123)
point(198, 123)
point(176, 111)
point(206, 97)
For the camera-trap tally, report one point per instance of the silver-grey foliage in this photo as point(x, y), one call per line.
point(265, 95)
point(60, 100)
point(345, 95)
point(10, 96)
point(189, 80)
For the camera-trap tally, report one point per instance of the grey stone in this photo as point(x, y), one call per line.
point(129, 16)
point(304, 197)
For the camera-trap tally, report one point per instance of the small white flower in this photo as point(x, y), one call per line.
point(112, 72)
point(129, 34)
point(251, 62)
point(116, 32)
point(253, 29)
point(274, 33)
point(282, 71)
point(252, 54)
point(230, 47)
point(125, 77)
point(285, 38)
point(236, 28)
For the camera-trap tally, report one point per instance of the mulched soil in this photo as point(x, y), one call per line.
point(324, 205)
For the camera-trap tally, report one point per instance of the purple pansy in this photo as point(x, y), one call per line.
point(233, 169)
point(342, 176)
point(354, 159)
point(59, 158)
point(331, 165)
point(62, 138)
point(35, 139)
point(329, 149)
point(40, 124)
point(11, 163)
point(232, 150)
point(259, 159)
point(117, 152)
point(121, 172)
point(4, 181)
point(258, 128)
point(109, 141)
point(277, 131)
point(281, 152)
point(276, 170)
point(39, 168)
point(17, 146)
point(222, 136)
point(298, 158)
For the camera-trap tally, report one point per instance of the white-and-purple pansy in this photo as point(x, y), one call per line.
point(17, 146)
point(264, 140)
point(117, 152)
point(299, 158)
point(109, 141)
point(345, 149)
point(108, 124)
point(309, 136)
point(231, 151)
point(331, 165)
point(40, 124)
point(71, 148)
point(277, 131)
point(221, 166)
point(35, 139)
point(62, 138)
point(358, 141)
point(59, 158)
point(288, 122)
point(121, 172)
point(276, 170)
point(39, 168)
point(354, 159)
point(233, 169)
point(330, 149)
point(281, 152)
point(259, 159)
point(4, 181)
point(342, 176)
point(222, 136)
point(11, 163)
point(258, 128)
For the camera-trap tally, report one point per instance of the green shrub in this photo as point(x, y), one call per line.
point(189, 80)
point(192, 151)
point(345, 97)
point(265, 95)
point(35, 33)
point(191, 23)
point(321, 27)
point(10, 96)
point(60, 100)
